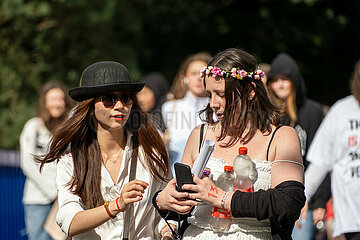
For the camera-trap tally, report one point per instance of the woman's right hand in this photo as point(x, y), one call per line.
point(170, 199)
point(131, 192)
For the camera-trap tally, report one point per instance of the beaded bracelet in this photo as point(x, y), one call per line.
point(157, 202)
point(223, 200)
point(117, 205)
point(106, 205)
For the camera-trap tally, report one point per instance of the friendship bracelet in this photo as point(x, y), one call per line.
point(166, 232)
point(106, 205)
point(223, 200)
point(117, 204)
point(157, 202)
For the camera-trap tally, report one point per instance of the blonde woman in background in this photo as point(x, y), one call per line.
point(186, 99)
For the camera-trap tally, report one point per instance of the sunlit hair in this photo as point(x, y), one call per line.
point(43, 113)
point(254, 114)
point(179, 88)
point(287, 106)
point(79, 133)
point(355, 82)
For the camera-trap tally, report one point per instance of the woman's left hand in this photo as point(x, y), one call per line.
point(205, 190)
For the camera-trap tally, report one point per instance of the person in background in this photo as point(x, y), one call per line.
point(117, 161)
point(152, 97)
point(287, 88)
point(40, 189)
point(186, 99)
point(336, 149)
point(245, 117)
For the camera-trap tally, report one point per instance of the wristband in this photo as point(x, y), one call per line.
point(106, 205)
point(117, 205)
point(223, 200)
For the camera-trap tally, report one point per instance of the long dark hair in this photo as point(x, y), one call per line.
point(43, 113)
point(258, 113)
point(78, 132)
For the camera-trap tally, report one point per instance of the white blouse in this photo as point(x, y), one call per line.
point(145, 224)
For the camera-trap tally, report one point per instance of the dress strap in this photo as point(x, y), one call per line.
point(272, 137)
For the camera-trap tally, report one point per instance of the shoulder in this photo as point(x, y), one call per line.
point(286, 133)
point(286, 140)
point(32, 125)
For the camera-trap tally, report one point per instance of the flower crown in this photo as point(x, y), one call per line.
point(235, 73)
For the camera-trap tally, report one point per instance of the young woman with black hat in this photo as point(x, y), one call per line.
point(105, 184)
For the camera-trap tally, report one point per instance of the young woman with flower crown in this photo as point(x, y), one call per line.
point(117, 161)
point(246, 118)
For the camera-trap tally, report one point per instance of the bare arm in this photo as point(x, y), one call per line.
point(286, 146)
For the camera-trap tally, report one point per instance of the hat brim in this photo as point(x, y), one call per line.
point(82, 93)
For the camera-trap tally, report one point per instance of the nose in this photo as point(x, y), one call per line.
point(213, 102)
point(118, 104)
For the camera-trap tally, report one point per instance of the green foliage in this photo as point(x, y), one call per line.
point(55, 39)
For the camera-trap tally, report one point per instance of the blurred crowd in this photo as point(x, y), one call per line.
point(328, 140)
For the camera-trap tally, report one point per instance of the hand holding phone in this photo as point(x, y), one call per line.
point(183, 176)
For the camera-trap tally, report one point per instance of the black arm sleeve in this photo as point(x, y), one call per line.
point(282, 205)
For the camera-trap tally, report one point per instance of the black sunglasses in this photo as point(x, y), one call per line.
point(111, 100)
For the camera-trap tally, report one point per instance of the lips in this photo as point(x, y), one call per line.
point(118, 117)
point(219, 115)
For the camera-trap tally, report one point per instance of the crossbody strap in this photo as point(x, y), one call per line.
point(129, 212)
point(201, 135)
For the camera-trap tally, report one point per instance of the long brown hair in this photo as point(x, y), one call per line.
point(257, 113)
point(78, 132)
point(43, 113)
point(355, 82)
point(179, 88)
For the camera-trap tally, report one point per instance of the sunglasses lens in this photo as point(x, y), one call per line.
point(127, 98)
point(108, 101)
point(111, 100)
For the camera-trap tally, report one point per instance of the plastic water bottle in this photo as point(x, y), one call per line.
point(220, 222)
point(245, 172)
point(221, 219)
point(226, 179)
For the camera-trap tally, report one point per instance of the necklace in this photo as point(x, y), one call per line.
point(114, 160)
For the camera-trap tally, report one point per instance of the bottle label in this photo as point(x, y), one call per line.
point(224, 213)
point(250, 189)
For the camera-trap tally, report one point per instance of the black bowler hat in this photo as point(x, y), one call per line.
point(104, 77)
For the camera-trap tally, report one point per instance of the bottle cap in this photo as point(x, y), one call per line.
point(207, 172)
point(228, 168)
point(243, 150)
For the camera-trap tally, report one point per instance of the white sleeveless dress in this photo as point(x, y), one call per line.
point(241, 228)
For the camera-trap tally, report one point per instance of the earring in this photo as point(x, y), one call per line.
point(186, 80)
point(252, 95)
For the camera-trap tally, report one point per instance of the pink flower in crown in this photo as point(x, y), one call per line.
point(242, 73)
point(256, 76)
point(216, 72)
point(202, 71)
point(260, 73)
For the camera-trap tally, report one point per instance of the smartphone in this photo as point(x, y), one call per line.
point(183, 176)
